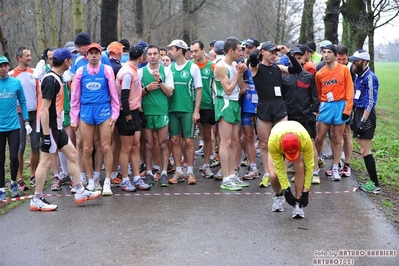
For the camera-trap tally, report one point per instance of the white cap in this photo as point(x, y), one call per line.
point(325, 43)
point(360, 55)
point(179, 43)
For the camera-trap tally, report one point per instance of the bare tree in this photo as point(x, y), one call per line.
point(41, 36)
point(354, 24)
point(77, 16)
point(307, 23)
point(109, 21)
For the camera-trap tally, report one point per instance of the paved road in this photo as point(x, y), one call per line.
point(200, 225)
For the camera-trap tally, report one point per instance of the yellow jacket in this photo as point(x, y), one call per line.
point(277, 153)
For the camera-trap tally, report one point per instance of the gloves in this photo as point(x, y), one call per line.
point(289, 198)
point(28, 128)
point(361, 128)
point(143, 120)
point(345, 117)
point(130, 128)
point(43, 56)
point(46, 143)
point(304, 200)
point(254, 58)
point(312, 119)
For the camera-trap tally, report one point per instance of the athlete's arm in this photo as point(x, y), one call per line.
point(221, 75)
point(45, 116)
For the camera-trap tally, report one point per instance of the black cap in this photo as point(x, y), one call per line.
point(312, 46)
point(332, 48)
point(125, 43)
point(296, 50)
point(135, 52)
point(252, 42)
point(82, 39)
point(269, 46)
point(304, 48)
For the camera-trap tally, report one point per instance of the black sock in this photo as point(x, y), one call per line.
point(370, 165)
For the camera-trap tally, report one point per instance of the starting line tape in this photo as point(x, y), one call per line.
point(182, 194)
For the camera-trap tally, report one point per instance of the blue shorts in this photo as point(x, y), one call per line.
point(331, 113)
point(248, 119)
point(95, 114)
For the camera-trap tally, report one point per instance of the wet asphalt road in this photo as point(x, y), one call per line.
point(201, 225)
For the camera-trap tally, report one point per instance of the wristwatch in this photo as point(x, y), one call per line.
point(160, 81)
point(146, 89)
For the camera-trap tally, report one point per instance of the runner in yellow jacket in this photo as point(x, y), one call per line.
point(290, 140)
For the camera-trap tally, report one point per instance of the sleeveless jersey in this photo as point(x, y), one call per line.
point(231, 72)
point(183, 96)
point(268, 83)
point(250, 98)
point(155, 101)
point(135, 86)
point(206, 76)
point(94, 87)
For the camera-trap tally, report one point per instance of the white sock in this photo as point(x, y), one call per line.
point(179, 169)
point(125, 179)
point(113, 175)
point(63, 162)
point(96, 174)
point(136, 178)
point(190, 169)
point(157, 167)
point(107, 180)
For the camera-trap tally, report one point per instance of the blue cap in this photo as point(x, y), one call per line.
point(284, 61)
point(143, 45)
point(62, 53)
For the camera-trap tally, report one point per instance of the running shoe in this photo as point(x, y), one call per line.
point(200, 152)
point(14, 190)
point(22, 186)
point(230, 185)
point(176, 178)
point(86, 195)
point(237, 180)
point(163, 181)
point(140, 185)
point(72, 187)
point(291, 169)
point(298, 212)
point(97, 184)
point(128, 186)
point(251, 175)
point(157, 174)
point(219, 175)
point(293, 179)
point(107, 189)
point(335, 176)
point(244, 161)
point(149, 179)
point(117, 181)
point(3, 195)
point(84, 180)
point(315, 179)
point(321, 162)
point(56, 186)
point(91, 186)
point(370, 187)
point(346, 171)
point(278, 202)
point(328, 155)
point(265, 181)
point(191, 179)
point(171, 168)
point(42, 204)
point(207, 172)
point(32, 181)
point(64, 179)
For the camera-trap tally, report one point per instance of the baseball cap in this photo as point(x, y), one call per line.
point(291, 146)
point(3, 59)
point(94, 46)
point(360, 55)
point(143, 46)
point(82, 39)
point(62, 53)
point(219, 47)
point(325, 43)
point(332, 48)
point(71, 47)
point(135, 51)
point(312, 46)
point(283, 61)
point(252, 42)
point(212, 43)
point(115, 47)
point(296, 50)
point(125, 43)
point(305, 48)
point(269, 46)
point(180, 44)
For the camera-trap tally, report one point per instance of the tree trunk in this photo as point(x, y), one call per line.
point(354, 24)
point(77, 16)
point(331, 20)
point(307, 23)
point(186, 20)
point(278, 23)
point(109, 21)
point(370, 33)
point(53, 29)
point(4, 45)
point(139, 15)
point(41, 36)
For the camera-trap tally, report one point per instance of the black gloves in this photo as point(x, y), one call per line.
point(143, 120)
point(43, 56)
point(130, 128)
point(361, 128)
point(46, 143)
point(345, 117)
point(304, 200)
point(254, 58)
point(312, 119)
point(289, 198)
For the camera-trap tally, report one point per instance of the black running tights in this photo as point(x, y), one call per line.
point(13, 144)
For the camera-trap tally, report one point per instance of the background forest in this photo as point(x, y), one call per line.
point(42, 23)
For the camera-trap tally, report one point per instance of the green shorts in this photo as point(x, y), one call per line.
point(181, 122)
point(229, 110)
point(157, 121)
point(67, 120)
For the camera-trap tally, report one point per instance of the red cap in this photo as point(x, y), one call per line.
point(291, 146)
point(94, 45)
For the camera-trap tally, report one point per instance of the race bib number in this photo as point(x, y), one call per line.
point(330, 97)
point(277, 91)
